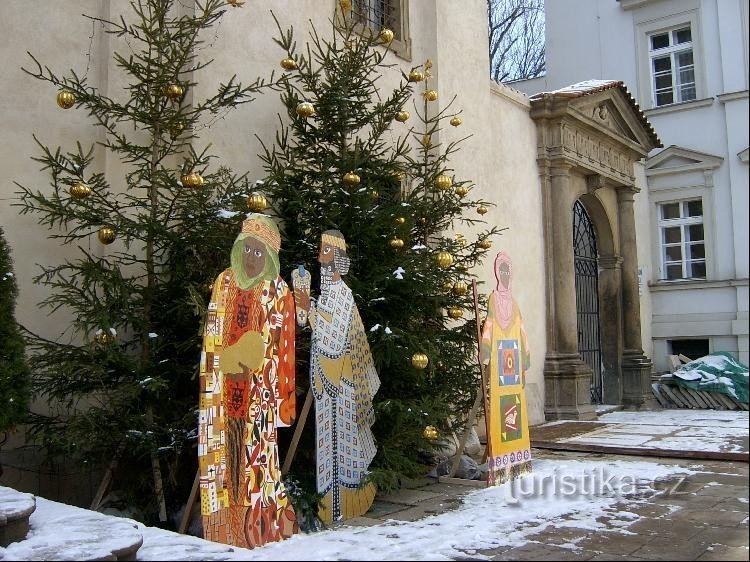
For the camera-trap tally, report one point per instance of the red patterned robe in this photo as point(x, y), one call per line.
point(246, 392)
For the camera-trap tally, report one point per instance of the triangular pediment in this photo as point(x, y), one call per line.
point(610, 112)
point(675, 159)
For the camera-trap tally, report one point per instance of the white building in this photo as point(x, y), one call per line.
point(686, 62)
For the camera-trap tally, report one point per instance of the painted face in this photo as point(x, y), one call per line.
point(254, 257)
point(504, 273)
point(325, 257)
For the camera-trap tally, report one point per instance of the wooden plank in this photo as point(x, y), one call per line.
point(297, 432)
point(189, 505)
point(728, 402)
point(679, 402)
point(710, 400)
point(699, 399)
point(688, 395)
point(663, 402)
point(642, 452)
point(674, 362)
point(684, 358)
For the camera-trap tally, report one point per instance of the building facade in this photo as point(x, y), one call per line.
point(686, 61)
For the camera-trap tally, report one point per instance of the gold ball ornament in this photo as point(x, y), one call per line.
point(402, 116)
point(396, 243)
point(236, 3)
point(386, 35)
point(173, 92)
point(416, 76)
point(288, 64)
point(455, 312)
point(447, 286)
point(177, 129)
point(192, 180)
point(443, 182)
point(431, 95)
point(426, 141)
point(430, 433)
point(104, 337)
point(351, 179)
point(345, 5)
point(106, 235)
point(460, 288)
point(482, 210)
point(462, 190)
point(66, 99)
point(484, 243)
point(455, 121)
point(419, 361)
point(256, 202)
point(305, 109)
point(79, 190)
point(444, 259)
point(400, 220)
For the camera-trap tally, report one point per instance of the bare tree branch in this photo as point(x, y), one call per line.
point(516, 39)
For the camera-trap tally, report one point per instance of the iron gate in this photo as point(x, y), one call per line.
point(587, 296)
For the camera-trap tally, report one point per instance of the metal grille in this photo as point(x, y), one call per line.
point(377, 14)
point(587, 296)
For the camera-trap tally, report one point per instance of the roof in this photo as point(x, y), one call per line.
point(588, 87)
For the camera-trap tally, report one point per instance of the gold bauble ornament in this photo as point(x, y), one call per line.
point(374, 194)
point(419, 361)
point(400, 220)
point(426, 141)
point(256, 202)
point(236, 3)
point(305, 109)
point(460, 239)
point(444, 259)
point(79, 190)
point(104, 337)
point(431, 95)
point(416, 76)
point(460, 288)
point(455, 312)
point(462, 190)
point(484, 243)
point(386, 35)
point(351, 179)
point(107, 235)
point(443, 181)
point(447, 286)
point(173, 91)
point(177, 129)
point(288, 64)
point(402, 116)
point(66, 99)
point(345, 5)
point(396, 243)
point(192, 179)
point(456, 121)
point(482, 210)
point(430, 433)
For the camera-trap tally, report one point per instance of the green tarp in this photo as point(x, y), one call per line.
point(715, 372)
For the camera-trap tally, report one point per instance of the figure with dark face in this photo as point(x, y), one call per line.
point(506, 352)
point(343, 380)
point(246, 392)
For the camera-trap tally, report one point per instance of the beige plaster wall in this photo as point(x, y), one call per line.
point(499, 157)
point(645, 259)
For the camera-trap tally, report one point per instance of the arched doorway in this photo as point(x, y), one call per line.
point(586, 256)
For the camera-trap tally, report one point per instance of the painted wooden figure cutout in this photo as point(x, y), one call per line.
point(343, 380)
point(505, 349)
point(246, 392)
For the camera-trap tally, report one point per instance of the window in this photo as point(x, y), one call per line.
point(375, 15)
point(672, 66)
point(692, 349)
point(683, 249)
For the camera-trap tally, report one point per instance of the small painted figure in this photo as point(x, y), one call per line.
point(246, 392)
point(505, 349)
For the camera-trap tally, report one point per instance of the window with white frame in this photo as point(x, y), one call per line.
point(672, 65)
point(683, 248)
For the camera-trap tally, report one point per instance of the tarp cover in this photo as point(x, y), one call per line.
point(715, 372)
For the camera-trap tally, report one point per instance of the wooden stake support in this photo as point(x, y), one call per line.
point(297, 433)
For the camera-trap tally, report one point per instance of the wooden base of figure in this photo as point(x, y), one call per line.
point(353, 502)
point(248, 527)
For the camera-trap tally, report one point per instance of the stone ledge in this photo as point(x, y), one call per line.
point(15, 510)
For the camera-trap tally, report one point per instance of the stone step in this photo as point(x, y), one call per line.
point(15, 510)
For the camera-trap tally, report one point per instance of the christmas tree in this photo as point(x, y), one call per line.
point(347, 159)
point(14, 372)
point(122, 379)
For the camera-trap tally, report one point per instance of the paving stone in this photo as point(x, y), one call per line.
point(663, 549)
point(725, 553)
point(614, 543)
point(712, 516)
point(561, 535)
point(361, 522)
point(725, 536)
point(409, 497)
point(380, 509)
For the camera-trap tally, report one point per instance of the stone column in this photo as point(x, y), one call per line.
point(610, 326)
point(567, 378)
point(636, 367)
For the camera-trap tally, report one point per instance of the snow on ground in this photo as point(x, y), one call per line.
point(681, 430)
point(559, 493)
